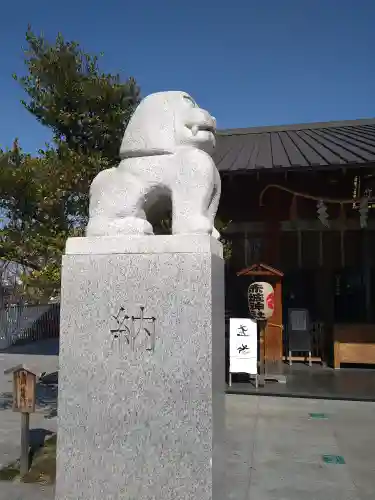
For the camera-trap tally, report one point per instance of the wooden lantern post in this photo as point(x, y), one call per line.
point(261, 300)
point(271, 333)
point(24, 396)
point(262, 325)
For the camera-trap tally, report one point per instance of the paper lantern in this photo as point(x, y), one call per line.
point(261, 299)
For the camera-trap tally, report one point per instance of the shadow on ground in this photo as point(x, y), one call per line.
point(42, 460)
point(46, 396)
point(48, 347)
point(38, 437)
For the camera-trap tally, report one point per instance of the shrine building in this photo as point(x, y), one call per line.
point(300, 202)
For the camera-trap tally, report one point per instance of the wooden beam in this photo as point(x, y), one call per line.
point(301, 224)
point(257, 273)
point(314, 359)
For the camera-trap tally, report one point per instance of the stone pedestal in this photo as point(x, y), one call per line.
point(139, 421)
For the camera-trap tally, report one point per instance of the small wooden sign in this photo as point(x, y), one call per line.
point(24, 386)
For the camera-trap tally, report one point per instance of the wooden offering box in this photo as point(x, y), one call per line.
point(354, 344)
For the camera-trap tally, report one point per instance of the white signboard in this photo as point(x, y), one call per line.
point(243, 346)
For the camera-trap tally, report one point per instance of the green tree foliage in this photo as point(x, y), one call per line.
point(85, 108)
point(221, 226)
point(44, 199)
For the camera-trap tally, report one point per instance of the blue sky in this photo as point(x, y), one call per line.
point(249, 62)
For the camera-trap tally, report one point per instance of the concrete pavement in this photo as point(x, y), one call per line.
point(12, 491)
point(276, 450)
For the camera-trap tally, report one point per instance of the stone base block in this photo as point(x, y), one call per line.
point(141, 416)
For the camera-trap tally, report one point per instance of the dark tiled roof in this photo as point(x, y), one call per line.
point(292, 146)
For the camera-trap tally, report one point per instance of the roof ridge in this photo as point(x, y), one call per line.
point(301, 126)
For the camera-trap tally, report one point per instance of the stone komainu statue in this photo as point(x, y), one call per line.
point(165, 158)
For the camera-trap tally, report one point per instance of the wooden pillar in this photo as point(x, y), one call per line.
point(366, 262)
point(325, 298)
point(272, 236)
point(342, 248)
point(274, 334)
point(246, 249)
point(299, 250)
point(325, 305)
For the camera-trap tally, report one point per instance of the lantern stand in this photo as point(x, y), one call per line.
point(261, 300)
point(262, 325)
point(273, 337)
point(263, 376)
